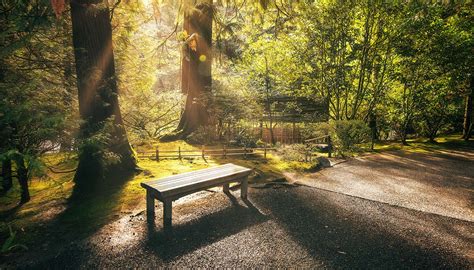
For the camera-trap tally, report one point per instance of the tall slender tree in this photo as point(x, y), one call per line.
point(105, 147)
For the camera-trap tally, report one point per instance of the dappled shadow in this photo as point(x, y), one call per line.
point(360, 235)
point(301, 227)
point(202, 231)
point(80, 217)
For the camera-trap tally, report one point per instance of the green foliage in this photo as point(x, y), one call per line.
point(98, 141)
point(148, 77)
point(294, 152)
point(349, 134)
point(346, 135)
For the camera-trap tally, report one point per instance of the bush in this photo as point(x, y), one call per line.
point(349, 134)
point(293, 152)
point(346, 135)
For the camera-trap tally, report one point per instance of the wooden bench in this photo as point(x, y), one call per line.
point(174, 187)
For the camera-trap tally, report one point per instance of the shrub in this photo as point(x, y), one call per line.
point(293, 152)
point(346, 135)
point(349, 134)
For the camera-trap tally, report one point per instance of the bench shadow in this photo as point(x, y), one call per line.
point(204, 230)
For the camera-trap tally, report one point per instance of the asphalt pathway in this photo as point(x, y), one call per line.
point(286, 227)
point(296, 227)
point(439, 182)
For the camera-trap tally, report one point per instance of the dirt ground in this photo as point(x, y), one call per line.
point(384, 211)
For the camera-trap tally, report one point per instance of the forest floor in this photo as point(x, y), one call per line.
point(405, 208)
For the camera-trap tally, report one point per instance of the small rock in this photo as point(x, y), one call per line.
point(323, 162)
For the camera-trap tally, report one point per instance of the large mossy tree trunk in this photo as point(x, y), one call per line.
point(467, 125)
point(196, 78)
point(7, 181)
point(102, 130)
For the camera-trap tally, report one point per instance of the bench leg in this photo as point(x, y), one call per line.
point(167, 206)
point(150, 207)
point(225, 188)
point(243, 188)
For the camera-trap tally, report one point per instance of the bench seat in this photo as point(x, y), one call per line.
point(171, 188)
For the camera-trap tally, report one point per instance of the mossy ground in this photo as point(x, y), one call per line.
point(422, 145)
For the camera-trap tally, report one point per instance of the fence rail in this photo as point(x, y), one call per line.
point(158, 154)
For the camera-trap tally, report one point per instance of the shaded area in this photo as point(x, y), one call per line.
point(285, 227)
point(82, 215)
point(203, 231)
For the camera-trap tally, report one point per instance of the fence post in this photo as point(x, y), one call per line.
point(225, 152)
point(245, 152)
point(265, 150)
point(179, 152)
point(329, 147)
point(157, 152)
point(203, 152)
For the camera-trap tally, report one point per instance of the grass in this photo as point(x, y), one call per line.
point(421, 145)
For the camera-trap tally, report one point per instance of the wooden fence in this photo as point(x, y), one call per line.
point(158, 154)
point(284, 135)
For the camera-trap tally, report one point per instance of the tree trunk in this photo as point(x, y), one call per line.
point(373, 129)
point(22, 172)
point(98, 93)
point(7, 182)
point(467, 125)
point(196, 79)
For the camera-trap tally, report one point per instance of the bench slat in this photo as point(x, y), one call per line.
point(182, 175)
point(196, 180)
point(166, 184)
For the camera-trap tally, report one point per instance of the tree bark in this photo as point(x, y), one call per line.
point(98, 93)
point(467, 125)
point(22, 172)
point(373, 129)
point(196, 78)
point(7, 181)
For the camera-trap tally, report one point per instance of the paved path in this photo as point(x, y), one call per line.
point(439, 182)
point(303, 226)
point(287, 227)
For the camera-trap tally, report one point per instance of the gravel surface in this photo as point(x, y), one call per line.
point(286, 227)
point(440, 182)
